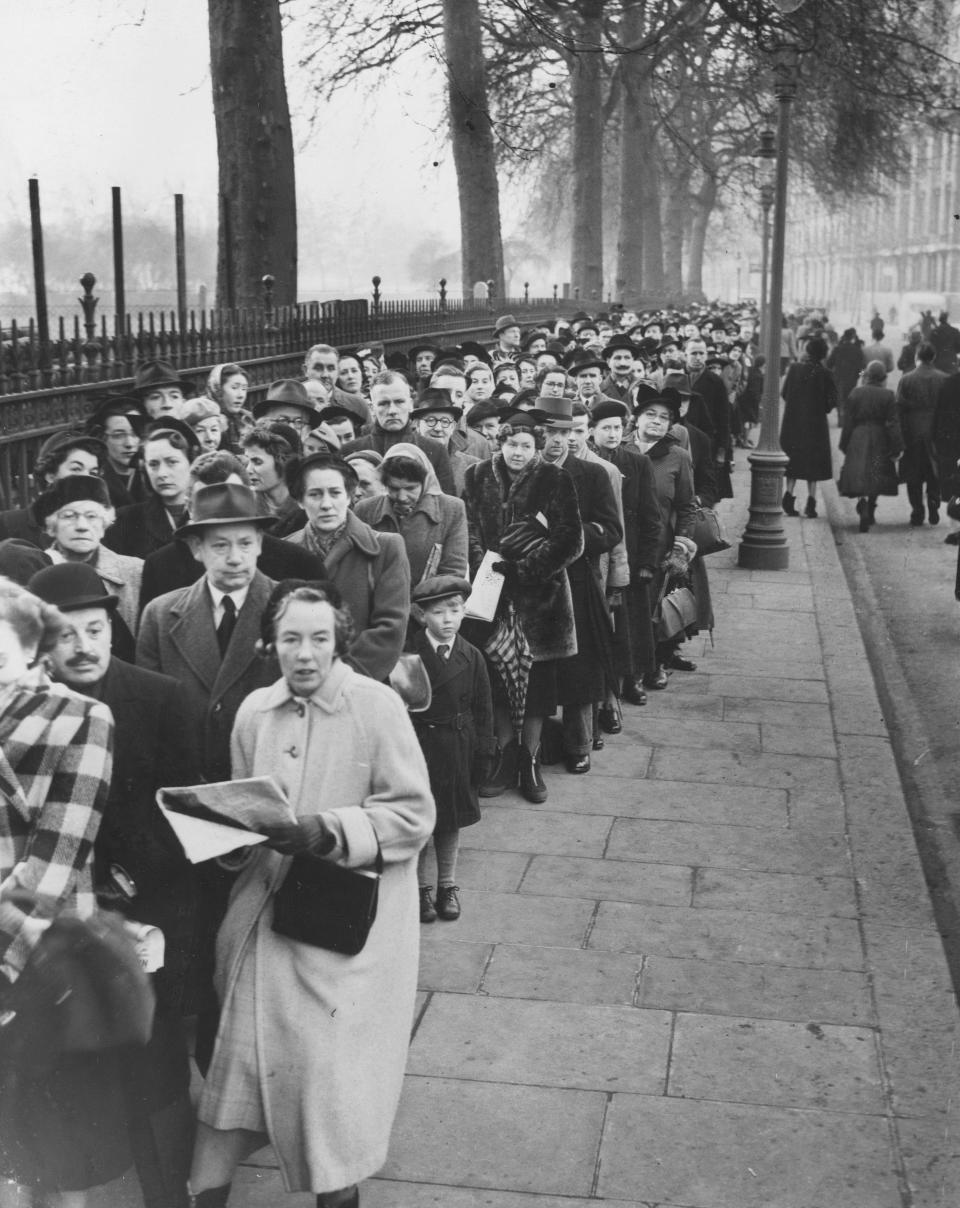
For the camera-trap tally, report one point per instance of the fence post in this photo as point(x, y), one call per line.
point(181, 252)
point(39, 279)
point(88, 303)
point(443, 293)
point(268, 281)
point(555, 289)
point(490, 285)
point(119, 286)
point(526, 291)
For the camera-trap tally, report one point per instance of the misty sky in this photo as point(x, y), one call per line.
point(96, 93)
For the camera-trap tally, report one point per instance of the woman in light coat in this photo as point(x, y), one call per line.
point(312, 1044)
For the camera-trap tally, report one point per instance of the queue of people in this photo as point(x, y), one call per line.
point(214, 593)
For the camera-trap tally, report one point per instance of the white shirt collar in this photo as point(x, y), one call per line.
point(436, 644)
point(216, 595)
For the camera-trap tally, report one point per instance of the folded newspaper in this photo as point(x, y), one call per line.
point(211, 820)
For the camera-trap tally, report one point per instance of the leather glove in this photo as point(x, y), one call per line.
point(507, 569)
point(308, 836)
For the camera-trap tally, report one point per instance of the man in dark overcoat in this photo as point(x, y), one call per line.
point(583, 680)
point(140, 868)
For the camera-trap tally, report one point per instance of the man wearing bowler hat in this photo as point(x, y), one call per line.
point(620, 355)
point(204, 635)
point(140, 868)
point(584, 680)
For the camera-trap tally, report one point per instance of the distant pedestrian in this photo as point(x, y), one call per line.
point(810, 394)
point(917, 394)
point(945, 339)
point(870, 442)
point(455, 733)
point(846, 362)
point(878, 350)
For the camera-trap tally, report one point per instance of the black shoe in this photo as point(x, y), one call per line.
point(933, 512)
point(531, 781)
point(916, 518)
point(789, 504)
point(864, 522)
point(506, 771)
point(598, 743)
point(810, 511)
point(428, 913)
point(608, 719)
point(578, 764)
point(952, 539)
point(633, 692)
point(448, 902)
point(656, 680)
point(677, 662)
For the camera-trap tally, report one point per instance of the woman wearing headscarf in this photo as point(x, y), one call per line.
point(227, 385)
point(809, 394)
point(870, 441)
point(433, 525)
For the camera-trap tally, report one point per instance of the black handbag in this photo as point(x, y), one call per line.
point(676, 611)
point(708, 534)
point(326, 905)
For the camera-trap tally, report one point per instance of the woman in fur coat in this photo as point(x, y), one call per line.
point(517, 485)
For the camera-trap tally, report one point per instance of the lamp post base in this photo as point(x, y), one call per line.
point(764, 545)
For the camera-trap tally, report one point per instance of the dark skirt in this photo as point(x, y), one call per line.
point(542, 693)
point(65, 1128)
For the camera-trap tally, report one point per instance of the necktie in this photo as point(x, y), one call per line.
point(228, 622)
point(443, 651)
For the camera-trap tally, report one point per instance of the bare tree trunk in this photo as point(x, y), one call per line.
point(650, 176)
point(586, 253)
point(258, 203)
point(706, 199)
point(471, 133)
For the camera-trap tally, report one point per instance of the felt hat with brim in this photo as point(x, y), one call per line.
point(432, 400)
point(414, 352)
point(578, 365)
point(75, 488)
point(199, 409)
point(71, 586)
point(222, 503)
point(157, 375)
point(516, 417)
point(20, 560)
point(608, 408)
point(440, 587)
point(554, 412)
point(531, 338)
point(470, 348)
point(171, 423)
point(334, 412)
point(287, 433)
point(503, 323)
point(71, 439)
point(396, 361)
point(671, 402)
point(119, 404)
point(287, 392)
point(644, 393)
point(487, 409)
point(616, 344)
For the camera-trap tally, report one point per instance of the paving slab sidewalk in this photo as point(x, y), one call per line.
point(707, 974)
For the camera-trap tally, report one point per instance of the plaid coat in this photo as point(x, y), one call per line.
point(56, 759)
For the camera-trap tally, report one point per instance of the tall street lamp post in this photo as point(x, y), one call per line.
point(764, 545)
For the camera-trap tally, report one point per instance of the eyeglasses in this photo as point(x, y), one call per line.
point(71, 516)
point(438, 421)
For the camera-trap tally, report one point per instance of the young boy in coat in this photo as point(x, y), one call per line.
point(456, 732)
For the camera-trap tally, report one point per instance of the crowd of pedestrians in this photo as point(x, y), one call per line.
point(398, 585)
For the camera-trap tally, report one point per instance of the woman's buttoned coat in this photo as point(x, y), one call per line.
point(330, 1032)
point(434, 534)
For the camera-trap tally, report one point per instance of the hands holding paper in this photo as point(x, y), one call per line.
point(308, 836)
